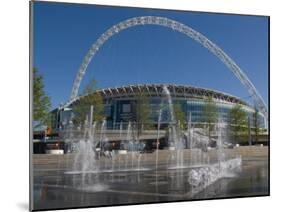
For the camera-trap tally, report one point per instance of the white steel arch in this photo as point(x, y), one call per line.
point(177, 26)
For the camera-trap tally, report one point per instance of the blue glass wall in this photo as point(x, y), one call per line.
point(122, 110)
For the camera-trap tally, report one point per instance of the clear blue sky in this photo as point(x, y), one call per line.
point(63, 33)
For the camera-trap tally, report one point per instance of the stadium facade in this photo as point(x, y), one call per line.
point(120, 104)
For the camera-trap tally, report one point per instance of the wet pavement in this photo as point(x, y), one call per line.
point(59, 189)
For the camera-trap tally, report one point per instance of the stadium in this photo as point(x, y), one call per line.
point(120, 105)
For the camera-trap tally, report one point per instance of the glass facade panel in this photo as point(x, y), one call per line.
point(124, 109)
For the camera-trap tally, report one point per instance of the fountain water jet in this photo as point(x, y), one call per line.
point(201, 177)
point(174, 130)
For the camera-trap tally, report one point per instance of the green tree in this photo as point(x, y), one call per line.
point(89, 97)
point(41, 102)
point(256, 125)
point(237, 123)
point(210, 115)
point(143, 113)
point(179, 115)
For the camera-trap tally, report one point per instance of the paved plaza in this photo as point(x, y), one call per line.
point(55, 180)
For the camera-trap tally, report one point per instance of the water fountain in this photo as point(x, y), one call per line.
point(91, 141)
point(172, 116)
point(201, 177)
point(120, 130)
point(174, 131)
point(158, 136)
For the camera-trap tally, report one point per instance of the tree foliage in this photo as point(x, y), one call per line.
point(81, 108)
point(179, 114)
point(210, 115)
point(256, 125)
point(237, 122)
point(41, 102)
point(143, 112)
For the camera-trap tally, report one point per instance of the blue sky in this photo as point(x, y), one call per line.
point(63, 33)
